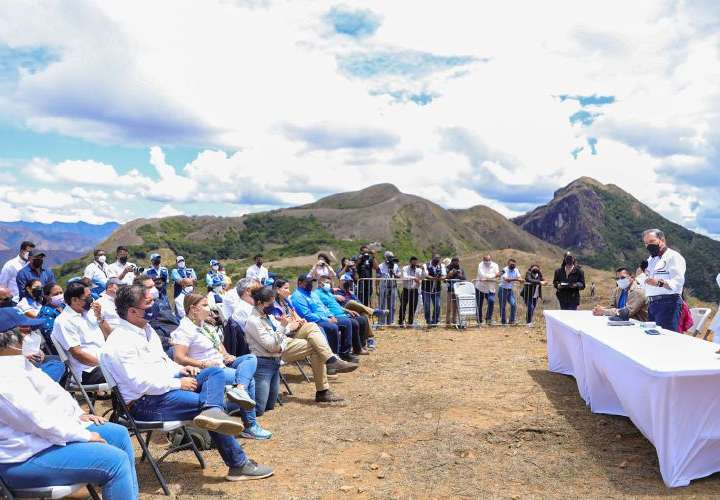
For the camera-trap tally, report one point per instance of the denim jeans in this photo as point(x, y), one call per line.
point(53, 367)
point(388, 297)
point(332, 334)
point(347, 332)
point(507, 295)
point(267, 384)
point(242, 372)
point(666, 312)
point(480, 297)
point(185, 405)
point(531, 304)
point(110, 465)
point(432, 300)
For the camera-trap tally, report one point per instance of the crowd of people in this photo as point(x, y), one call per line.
point(211, 352)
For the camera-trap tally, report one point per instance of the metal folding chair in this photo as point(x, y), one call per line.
point(122, 416)
point(46, 492)
point(73, 382)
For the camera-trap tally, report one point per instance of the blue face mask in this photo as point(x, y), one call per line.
point(150, 312)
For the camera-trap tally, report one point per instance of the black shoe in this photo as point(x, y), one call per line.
point(251, 470)
point(327, 397)
point(350, 358)
point(341, 366)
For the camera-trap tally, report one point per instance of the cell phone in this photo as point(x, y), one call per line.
point(652, 332)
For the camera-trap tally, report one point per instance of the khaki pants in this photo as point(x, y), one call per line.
point(366, 311)
point(310, 341)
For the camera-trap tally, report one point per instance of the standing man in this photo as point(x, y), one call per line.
point(121, 268)
point(365, 263)
point(510, 276)
point(485, 286)
point(182, 276)
point(665, 280)
point(412, 277)
point(213, 278)
point(258, 271)
point(389, 272)
point(435, 273)
point(159, 274)
point(12, 267)
point(98, 271)
point(34, 271)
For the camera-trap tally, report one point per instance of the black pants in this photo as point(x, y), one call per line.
point(365, 291)
point(409, 297)
point(93, 377)
point(359, 338)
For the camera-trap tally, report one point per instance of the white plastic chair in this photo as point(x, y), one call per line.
point(466, 305)
point(46, 492)
point(700, 316)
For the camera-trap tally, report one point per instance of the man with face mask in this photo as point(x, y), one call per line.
point(98, 270)
point(258, 271)
point(213, 278)
point(121, 268)
point(106, 303)
point(12, 267)
point(78, 332)
point(628, 299)
point(665, 280)
point(160, 315)
point(488, 273)
point(510, 276)
point(34, 270)
point(568, 280)
point(180, 301)
point(434, 273)
point(158, 273)
point(182, 276)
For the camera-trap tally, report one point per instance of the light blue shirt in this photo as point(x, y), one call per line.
point(510, 274)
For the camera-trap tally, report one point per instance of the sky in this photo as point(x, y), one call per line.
point(116, 110)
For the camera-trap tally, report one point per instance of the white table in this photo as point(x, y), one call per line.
point(667, 384)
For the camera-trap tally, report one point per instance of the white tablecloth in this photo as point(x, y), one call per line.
point(666, 384)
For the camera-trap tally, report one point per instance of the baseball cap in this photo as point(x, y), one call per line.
point(154, 256)
point(179, 258)
point(11, 317)
point(389, 254)
point(36, 253)
point(214, 262)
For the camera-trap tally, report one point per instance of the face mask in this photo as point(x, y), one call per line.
point(215, 268)
point(623, 283)
point(154, 293)
point(181, 264)
point(36, 264)
point(56, 300)
point(88, 303)
point(326, 286)
point(307, 286)
point(535, 271)
point(36, 293)
point(102, 259)
point(7, 302)
point(24, 256)
point(149, 314)
point(653, 249)
point(269, 310)
point(155, 263)
point(123, 260)
point(511, 266)
point(187, 290)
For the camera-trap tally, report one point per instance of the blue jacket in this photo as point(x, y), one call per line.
point(308, 306)
point(27, 274)
point(177, 274)
point(327, 298)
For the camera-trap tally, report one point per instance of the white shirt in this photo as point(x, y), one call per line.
point(28, 304)
point(199, 345)
point(98, 273)
point(242, 312)
point(115, 270)
point(136, 360)
point(262, 338)
point(35, 412)
point(230, 300)
point(509, 274)
point(388, 272)
point(9, 273)
point(408, 273)
point(258, 273)
point(108, 311)
point(669, 267)
point(640, 280)
point(72, 329)
point(487, 272)
point(180, 305)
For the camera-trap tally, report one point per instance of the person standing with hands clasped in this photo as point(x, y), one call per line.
point(665, 280)
point(569, 279)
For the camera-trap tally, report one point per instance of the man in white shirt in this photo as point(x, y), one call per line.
point(244, 306)
point(180, 301)
point(665, 280)
point(121, 268)
point(156, 388)
point(98, 271)
point(389, 272)
point(106, 302)
point(258, 271)
point(11, 268)
point(488, 273)
point(76, 330)
point(412, 277)
point(510, 275)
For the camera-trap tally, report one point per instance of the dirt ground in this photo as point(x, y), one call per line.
point(440, 414)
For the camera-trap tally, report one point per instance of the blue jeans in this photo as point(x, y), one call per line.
point(53, 367)
point(185, 405)
point(480, 297)
point(242, 372)
point(347, 331)
point(267, 384)
point(665, 311)
point(388, 297)
point(332, 334)
point(110, 465)
point(531, 304)
point(431, 300)
point(507, 295)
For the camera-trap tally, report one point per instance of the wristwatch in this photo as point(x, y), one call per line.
point(661, 283)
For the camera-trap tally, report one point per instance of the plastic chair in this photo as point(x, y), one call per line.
point(46, 492)
point(121, 415)
point(74, 381)
point(700, 316)
point(466, 305)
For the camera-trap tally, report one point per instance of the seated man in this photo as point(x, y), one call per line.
point(45, 439)
point(106, 302)
point(360, 323)
point(244, 305)
point(339, 331)
point(628, 298)
point(161, 316)
point(76, 330)
point(157, 388)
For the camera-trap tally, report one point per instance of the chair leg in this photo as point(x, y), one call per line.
point(193, 447)
point(299, 367)
point(153, 464)
point(147, 444)
point(287, 386)
point(91, 407)
point(93, 493)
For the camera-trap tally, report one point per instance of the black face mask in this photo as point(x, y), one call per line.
point(122, 260)
point(653, 249)
point(88, 303)
point(36, 293)
point(307, 286)
point(7, 302)
point(568, 261)
point(36, 264)
point(512, 266)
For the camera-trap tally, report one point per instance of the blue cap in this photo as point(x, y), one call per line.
point(213, 262)
point(154, 256)
point(11, 317)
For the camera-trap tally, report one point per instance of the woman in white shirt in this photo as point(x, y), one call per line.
point(45, 438)
point(31, 304)
point(197, 343)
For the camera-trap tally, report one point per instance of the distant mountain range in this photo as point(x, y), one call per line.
point(62, 241)
point(601, 223)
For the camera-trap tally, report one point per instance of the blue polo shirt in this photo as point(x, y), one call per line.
point(308, 306)
point(27, 274)
point(327, 298)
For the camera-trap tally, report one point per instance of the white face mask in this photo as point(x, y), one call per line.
point(327, 286)
point(101, 259)
point(215, 268)
point(154, 293)
point(58, 299)
point(623, 283)
point(181, 264)
point(188, 290)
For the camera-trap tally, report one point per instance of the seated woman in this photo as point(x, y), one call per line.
point(53, 305)
point(199, 344)
point(45, 439)
point(31, 304)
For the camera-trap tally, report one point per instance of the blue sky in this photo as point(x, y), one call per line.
point(274, 103)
